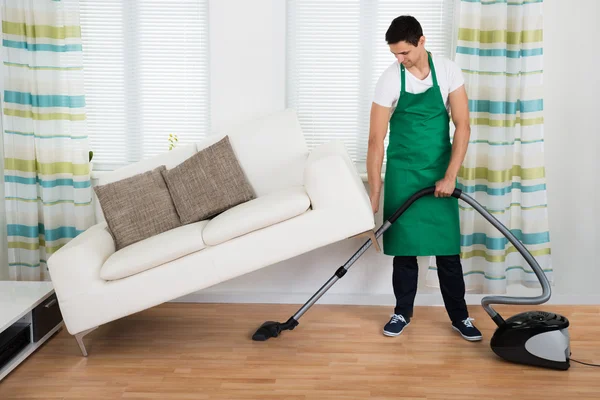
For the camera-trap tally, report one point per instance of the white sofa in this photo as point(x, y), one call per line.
point(305, 200)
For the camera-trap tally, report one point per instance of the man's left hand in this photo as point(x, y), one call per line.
point(444, 187)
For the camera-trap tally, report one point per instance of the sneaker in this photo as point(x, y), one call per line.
point(467, 330)
point(396, 325)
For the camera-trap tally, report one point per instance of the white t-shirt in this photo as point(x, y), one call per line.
point(387, 90)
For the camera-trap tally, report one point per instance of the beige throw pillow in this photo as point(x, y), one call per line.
point(208, 183)
point(137, 207)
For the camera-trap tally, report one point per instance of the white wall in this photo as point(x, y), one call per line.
point(572, 134)
point(248, 79)
point(247, 59)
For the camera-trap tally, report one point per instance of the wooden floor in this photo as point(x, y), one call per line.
point(204, 351)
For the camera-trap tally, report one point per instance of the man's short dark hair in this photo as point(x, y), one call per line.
point(404, 28)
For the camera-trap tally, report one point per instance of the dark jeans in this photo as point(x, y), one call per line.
point(452, 285)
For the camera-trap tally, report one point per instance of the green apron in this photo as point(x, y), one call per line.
point(418, 155)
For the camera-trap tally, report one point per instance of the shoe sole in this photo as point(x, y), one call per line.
point(386, 333)
point(469, 338)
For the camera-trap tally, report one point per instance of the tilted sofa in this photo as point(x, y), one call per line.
point(304, 200)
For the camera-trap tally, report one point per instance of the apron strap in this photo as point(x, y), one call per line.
point(402, 90)
point(433, 75)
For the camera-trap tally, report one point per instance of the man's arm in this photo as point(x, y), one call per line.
point(378, 130)
point(459, 107)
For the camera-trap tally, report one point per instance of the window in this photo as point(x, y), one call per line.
point(336, 51)
point(146, 76)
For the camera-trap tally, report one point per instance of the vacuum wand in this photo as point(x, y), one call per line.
point(273, 329)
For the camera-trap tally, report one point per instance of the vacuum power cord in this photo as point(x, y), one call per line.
point(584, 363)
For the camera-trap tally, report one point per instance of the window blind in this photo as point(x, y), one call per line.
point(146, 76)
point(336, 51)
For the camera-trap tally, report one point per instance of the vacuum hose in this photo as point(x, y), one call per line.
point(487, 301)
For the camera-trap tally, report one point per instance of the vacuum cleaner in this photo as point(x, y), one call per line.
point(535, 338)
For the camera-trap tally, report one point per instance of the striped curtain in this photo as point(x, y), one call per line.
point(47, 181)
point(500, 52)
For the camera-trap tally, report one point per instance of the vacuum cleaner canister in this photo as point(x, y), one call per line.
point(536, 338)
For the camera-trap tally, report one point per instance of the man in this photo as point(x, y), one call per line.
point(415, 95)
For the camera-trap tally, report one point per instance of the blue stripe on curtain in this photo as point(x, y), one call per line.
point(506, 107)
point(38, 100)
point(473, 51)
point(49, 235)
point(47, 183)
point(41, 47)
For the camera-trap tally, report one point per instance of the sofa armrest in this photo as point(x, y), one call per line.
point(332, 181)
point(75, 267)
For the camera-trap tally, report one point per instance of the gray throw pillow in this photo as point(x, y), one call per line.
point(137, 207)
point(208, 183)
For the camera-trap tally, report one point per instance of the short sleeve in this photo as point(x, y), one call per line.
point(387, 89)
point(455, 76)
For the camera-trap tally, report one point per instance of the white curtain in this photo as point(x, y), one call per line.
point(46, 171)
point(500, 50)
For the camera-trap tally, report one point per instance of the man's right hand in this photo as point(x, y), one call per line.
point(375, 201)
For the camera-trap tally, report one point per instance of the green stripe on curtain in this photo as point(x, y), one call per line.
point(63, 167)
point(41, 31)
point(501, 258)
point(494, 176)
point(500, 36)
point(35, 246)
point(11, 112)
point(507, 123)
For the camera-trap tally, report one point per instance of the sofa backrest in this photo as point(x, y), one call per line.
point(271, 150)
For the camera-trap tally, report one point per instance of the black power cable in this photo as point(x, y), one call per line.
point(584, 363)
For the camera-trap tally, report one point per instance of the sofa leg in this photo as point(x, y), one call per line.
point(79, 337)
point(370, 235)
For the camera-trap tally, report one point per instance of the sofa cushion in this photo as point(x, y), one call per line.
point(169, 159)
point(270, 148)
point(137, 207)
point(154, 251)
point(256, 214)
point(208, 183)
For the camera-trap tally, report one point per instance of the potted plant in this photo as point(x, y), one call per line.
point(90, 161)
point(172, 141)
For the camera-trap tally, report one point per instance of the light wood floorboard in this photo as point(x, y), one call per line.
point(204, 351)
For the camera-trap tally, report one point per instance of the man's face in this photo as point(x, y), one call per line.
point(406, 53)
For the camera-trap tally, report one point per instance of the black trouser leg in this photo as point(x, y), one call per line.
point(404, 280)
point(452, 285)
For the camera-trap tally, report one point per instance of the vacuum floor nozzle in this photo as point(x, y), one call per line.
point(271, 329)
